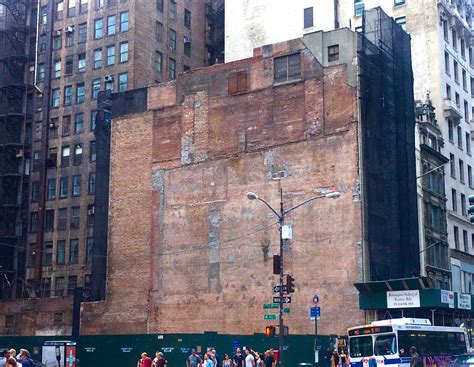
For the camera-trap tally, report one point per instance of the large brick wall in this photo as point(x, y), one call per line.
point(187, 251)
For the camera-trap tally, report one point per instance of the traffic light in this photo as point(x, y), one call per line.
point(471, 209)
point(290, 285)
point(270, 330)
point(276, 264)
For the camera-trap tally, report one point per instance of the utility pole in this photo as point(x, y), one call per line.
point(281, 337)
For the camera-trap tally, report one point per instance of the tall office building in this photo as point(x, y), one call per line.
point(82, 47)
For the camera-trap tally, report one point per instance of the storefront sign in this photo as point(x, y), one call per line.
point(447, 297)
point(403, 299)
point(464, 301)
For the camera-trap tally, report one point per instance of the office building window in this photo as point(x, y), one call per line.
point(76, 185)
point(456, 237)
point(34, 191)
point(45, 287)
point(159, 61)
point(111, 55)
point(172, 69)
point(58, 289)
point(98, 4)
point(111, 23)
point(402, 22)
point(51, 189)
point(55, 93)
point(70, 36)
point(468, 143)
point(91, 183)
point(68, 95)
point(466, 111)
point(73, 251)
point(187, 18)
point(47, 253)
point(287, 68)
point(90, 215)
point(465, 241)
point(450, 131)
point(66, 125)
point(159, 32)
point(456, 71)
point(59, 12)
point(461, 171)
point(448, 91)
point(97, 58)
point(92, 152)
point(187, 46)
point(71, 284)
point(333, 53)
point(82, 33)
point(57, 69)
point(454, 38)
point(49, 220)
point(63, 187)
point(123, 82)
point(398, 2)
point(457, 99)
point(95, 88)
point(454, 200)
point(446, 62)
point(172, 10)
point(93, 118)
point(469, 175)
point(308, 17)
point(69, 65)
point(31, 257)
point(71, 9)
point(464, 79)
point(463, 205)
point(81, 64)
point(109, 84)
point(359, 7)
point(83, 6)
point(172, 39)
point(160, 5)
point(124, 21)
point(57, 43)
point(75, 216)
point(36, 160)
point(459, 131)
point(89, 249)
point(79, 123)
point(65, 153)
point(33, 222)
point(124, 52)
point(77, 154)
point(80, 93)
point(62, 219)
point(98, 28)
point(445, 30)
point(41, 71)
point(61, 252)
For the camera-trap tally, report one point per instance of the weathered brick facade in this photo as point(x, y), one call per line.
point(187, 251)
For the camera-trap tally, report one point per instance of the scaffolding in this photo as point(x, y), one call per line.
point(14, 115)
point(388, 152)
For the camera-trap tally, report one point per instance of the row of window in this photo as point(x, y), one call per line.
point(465, 240)
point(77, 155)
point(456, 40)
point(60, 289)
point(461, 170)
point(63, 252)
point(467, 137)
point(80, 90)
point(71, 8)
point(62, 216)
point(456, 68)
point(173, 12)
point(454, 202)
point(359, 6)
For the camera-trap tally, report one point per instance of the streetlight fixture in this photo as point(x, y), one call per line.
point(281, 220)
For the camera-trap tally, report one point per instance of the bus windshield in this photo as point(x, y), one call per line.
point(385, 345)
point(361, 346)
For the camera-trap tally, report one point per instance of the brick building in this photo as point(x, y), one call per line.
point(187, 252)
point(83, 47)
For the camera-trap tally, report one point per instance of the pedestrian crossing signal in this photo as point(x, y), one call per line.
point(270, 331)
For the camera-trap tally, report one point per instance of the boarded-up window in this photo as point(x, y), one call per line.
point(287, 68)
point(237, 82)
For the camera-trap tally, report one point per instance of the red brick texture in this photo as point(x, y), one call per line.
point(187, 251)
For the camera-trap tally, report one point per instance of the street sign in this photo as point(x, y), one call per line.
point(271, 317)
point(276, 288)
point(281, 299)
point(270, 305)
point(286, 310)
point(315, 300)
point(314, 313)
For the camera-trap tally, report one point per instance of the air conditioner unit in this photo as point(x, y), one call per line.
point(69, 29)
point(90, 211)
point(52, 125)
point(187, 39)
point(108, 78)
point(57, 32)
point(19, 153)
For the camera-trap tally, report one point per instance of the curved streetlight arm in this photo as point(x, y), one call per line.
point(304, 202)
point(268, 205)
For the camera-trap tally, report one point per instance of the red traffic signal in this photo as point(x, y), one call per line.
point(270, 331)
point(290, 284)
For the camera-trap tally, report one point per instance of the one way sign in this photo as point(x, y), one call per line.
point(282, 300)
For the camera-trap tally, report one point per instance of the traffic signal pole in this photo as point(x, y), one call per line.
point(281, 337)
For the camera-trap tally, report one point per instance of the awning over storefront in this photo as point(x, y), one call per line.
point(410, 293)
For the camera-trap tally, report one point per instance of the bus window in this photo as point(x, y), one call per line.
point(385, 344)
point(361, 346)
point(456, 343)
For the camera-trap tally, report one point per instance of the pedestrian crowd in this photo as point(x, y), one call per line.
point(10, 358)
point(251, 358)
point(335, 359)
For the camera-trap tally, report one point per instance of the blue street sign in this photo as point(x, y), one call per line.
point(318, 312)
point(315, 312)
point(312, 312)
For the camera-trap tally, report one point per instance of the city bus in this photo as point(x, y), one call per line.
point(388, 342)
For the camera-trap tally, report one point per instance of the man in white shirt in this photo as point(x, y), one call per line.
point(249, 360)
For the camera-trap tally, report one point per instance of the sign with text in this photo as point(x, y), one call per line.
point(447, 297)
point(464, 301)
point(403, 299)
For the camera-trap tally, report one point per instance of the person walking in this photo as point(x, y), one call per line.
point(145, 360)
point(344, 361)
point(227, 362)
point(25, 358)
point(415, 357)
point(159, 360)
point(193, 360)
point(208, 361)
point(239, 359)
point(249, 359)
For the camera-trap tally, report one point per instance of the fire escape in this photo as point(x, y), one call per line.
point(14, 41)
point(215, 31)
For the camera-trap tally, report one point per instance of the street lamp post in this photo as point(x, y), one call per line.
point(281, 221)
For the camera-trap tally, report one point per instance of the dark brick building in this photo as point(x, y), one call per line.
point(187, 252)
point(83, 47)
